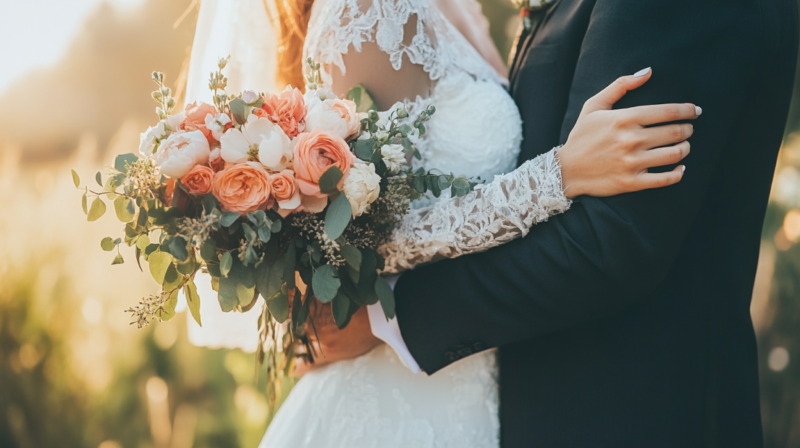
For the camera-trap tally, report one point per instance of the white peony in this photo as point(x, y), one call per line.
point(319, 94)
point(362, 186)
point(260, 137)
point(334, 116)
point(393, 156)
point(217, 124)
point(181, 152)
point(150, 138)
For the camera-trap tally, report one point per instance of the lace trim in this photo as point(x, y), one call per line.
point(343, 23)
point(491, 215)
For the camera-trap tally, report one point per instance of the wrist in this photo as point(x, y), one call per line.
point(570, 184)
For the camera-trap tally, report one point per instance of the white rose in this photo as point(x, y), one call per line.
point(250, 97)
point(149, 139)
point(319, 95)
point(413, 136)
point(362, 186)
point(393, 156)
point(261, 137)
point(216, 124)
point(181, 152)
point(338, 117)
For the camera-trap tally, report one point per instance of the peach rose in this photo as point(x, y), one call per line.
point(314, 153)
point(241, 188)
point(215, 160)
point(195, 119)
point(287, 110)
point(284, 189)
point(198, 180)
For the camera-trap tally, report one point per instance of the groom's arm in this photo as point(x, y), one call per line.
point(605, 254)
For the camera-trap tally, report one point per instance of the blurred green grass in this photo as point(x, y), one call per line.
point(73, 373)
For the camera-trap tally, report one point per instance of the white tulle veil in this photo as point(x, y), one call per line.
point(243, 30)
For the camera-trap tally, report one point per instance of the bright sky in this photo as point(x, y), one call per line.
point(35, 33)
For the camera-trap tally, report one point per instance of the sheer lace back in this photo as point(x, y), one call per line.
point(434, 44)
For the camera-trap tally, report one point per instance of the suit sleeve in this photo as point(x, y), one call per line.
point(604, 255)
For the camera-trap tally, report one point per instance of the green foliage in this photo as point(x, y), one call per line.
point(329, 180)
point(326, 283)
point(159, 262)
point(338, 216)
point(341, 310)
point(386, 296)
point(362, 98)
point(225, 264)
point(237, 107)
point(193, 300)
point(238, 288)
point(125, 208)
point(97, 210)
point(76, 179)
point(121, 161)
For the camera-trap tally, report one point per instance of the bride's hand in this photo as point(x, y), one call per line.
point(609, 151)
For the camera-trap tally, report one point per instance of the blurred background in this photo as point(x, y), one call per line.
point(73, 373)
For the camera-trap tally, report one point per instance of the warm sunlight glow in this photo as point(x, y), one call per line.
point(45, 28)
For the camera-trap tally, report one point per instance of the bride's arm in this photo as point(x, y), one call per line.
point(493, 214)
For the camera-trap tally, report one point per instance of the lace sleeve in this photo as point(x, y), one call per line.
point(493, 214)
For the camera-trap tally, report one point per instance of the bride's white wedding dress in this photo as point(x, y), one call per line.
point(375, 401)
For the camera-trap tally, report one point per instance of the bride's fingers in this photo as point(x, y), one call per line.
point(664, 156)
point(662, 113)
point(607, 97)
point(646, 181)
point(658, 136)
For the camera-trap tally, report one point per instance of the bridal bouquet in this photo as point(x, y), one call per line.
point(284, 195)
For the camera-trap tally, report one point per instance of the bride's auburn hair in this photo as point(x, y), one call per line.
point(290, 18)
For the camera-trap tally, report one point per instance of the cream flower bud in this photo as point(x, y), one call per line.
point(393, 156)
point(362, 186)
point(250, 97)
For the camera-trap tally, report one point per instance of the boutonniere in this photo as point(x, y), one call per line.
point(526, 7)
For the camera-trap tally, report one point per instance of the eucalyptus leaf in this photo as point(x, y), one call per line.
point(418, 183)
point(84, 204)
point(159, 262)
point(172, 279)
point(329, 180)
point(225, 264)
point(119, 162)
point(341, 309)
point(269, 278)
point(169, 306)
point(228, 218)
point(209, 203)
point(76, 179)
point(289, 261)
point(238, 288)
point(118, 260)
point(264, 234)
point(352, 256)
point(99, 178)
point(208, 250)
point(175, 245)
point(278, 305)
point(338, 216)
point(326, 283)
point(386, 296)
point(364, 149)
point(193, 300)
point(249, 233)
point(97, 210)
point(444, 182)
point(125, 208)
point(237, 107)
point(142, 242)
point(108, 244)
point(360, 95)
point(460, 186)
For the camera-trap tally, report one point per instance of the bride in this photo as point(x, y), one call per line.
point(420, 53)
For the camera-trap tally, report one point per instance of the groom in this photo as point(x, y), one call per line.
point(625, 322)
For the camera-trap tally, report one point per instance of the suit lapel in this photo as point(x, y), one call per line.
point(524, 41)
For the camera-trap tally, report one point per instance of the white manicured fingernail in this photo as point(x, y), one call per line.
point(641, 73)
point(699, 110)
point(683, 169)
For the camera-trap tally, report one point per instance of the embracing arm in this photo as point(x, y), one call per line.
point(493, 214)
point(606, 253)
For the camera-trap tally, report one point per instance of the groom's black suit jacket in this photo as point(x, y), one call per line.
point(625, 322)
